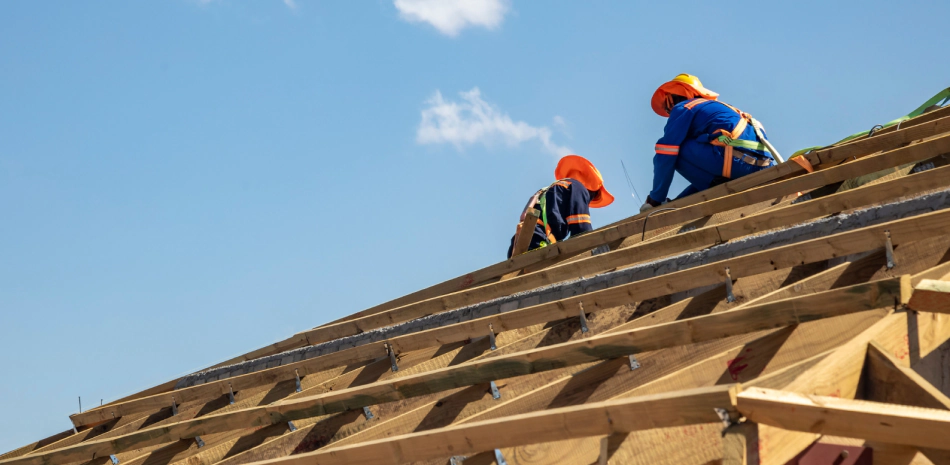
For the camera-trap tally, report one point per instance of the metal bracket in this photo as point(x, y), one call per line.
point(729, 296)
point(292, 426)
point(392, 358)
point(174, 407)
point(230, 394)
point(114, 459)
point(584, 327)
point(634, 364)
point(889, 250)
point(297, 376)
point(199, 442)
point(499, 458)
point(491, 337)
point(456, 460)
point(495, 393)
point(724, 417)
point(367, 413)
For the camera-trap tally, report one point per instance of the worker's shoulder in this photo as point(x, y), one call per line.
point(571, 184)
point(693, 104)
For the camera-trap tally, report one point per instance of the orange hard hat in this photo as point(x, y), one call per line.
point(585, 172)
point(685, 85)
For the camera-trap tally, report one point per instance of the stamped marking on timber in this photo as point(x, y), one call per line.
point(736, 367)
point(467, 281)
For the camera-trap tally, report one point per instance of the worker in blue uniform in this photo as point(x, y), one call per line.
point(706, 141)
point(565, 205)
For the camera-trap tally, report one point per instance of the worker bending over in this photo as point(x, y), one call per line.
point(565, 205)
point(706, 141)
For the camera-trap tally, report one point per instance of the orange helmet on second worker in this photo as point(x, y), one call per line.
point(579, 168)
point(685, 85)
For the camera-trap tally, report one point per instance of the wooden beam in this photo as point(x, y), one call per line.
point(889, 380)
point(673, 409)
point(839, 374)
point(525, 232)
point(890, 423)
point(930, 295)
point(902, 231)
point(740, 444)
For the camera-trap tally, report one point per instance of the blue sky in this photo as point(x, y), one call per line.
point(182, 181)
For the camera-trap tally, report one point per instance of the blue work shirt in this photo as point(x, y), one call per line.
point(568, 208)
point(685, 147)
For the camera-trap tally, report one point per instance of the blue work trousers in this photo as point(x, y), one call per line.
point(701, 165)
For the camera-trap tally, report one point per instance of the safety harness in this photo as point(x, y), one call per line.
point(540, 197)
point(730, 139)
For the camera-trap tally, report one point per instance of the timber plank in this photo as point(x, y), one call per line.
point(676, 409)
point(889, 423)
point(931, 295)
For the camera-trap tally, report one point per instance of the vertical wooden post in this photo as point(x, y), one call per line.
point(740, 444)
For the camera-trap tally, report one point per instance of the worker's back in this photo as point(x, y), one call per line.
point(566, 211)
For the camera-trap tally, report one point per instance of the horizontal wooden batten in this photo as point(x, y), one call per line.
point(682, 408)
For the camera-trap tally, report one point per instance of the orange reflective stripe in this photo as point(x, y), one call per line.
point(564, 184)
point(727, 163)
point(667, 149)
point(692, 103)
point(577, 219)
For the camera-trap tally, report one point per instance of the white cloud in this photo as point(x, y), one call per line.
point(475, 121)
point(451, 16)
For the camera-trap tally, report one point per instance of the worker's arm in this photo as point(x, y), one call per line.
point(667, 149)
point(575, 208)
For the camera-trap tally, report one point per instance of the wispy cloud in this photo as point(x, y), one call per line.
point(451, 16)
point(472, 120)
point(292, 4)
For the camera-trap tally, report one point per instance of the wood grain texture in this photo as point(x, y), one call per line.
point(673, 409)
point(893, 424)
